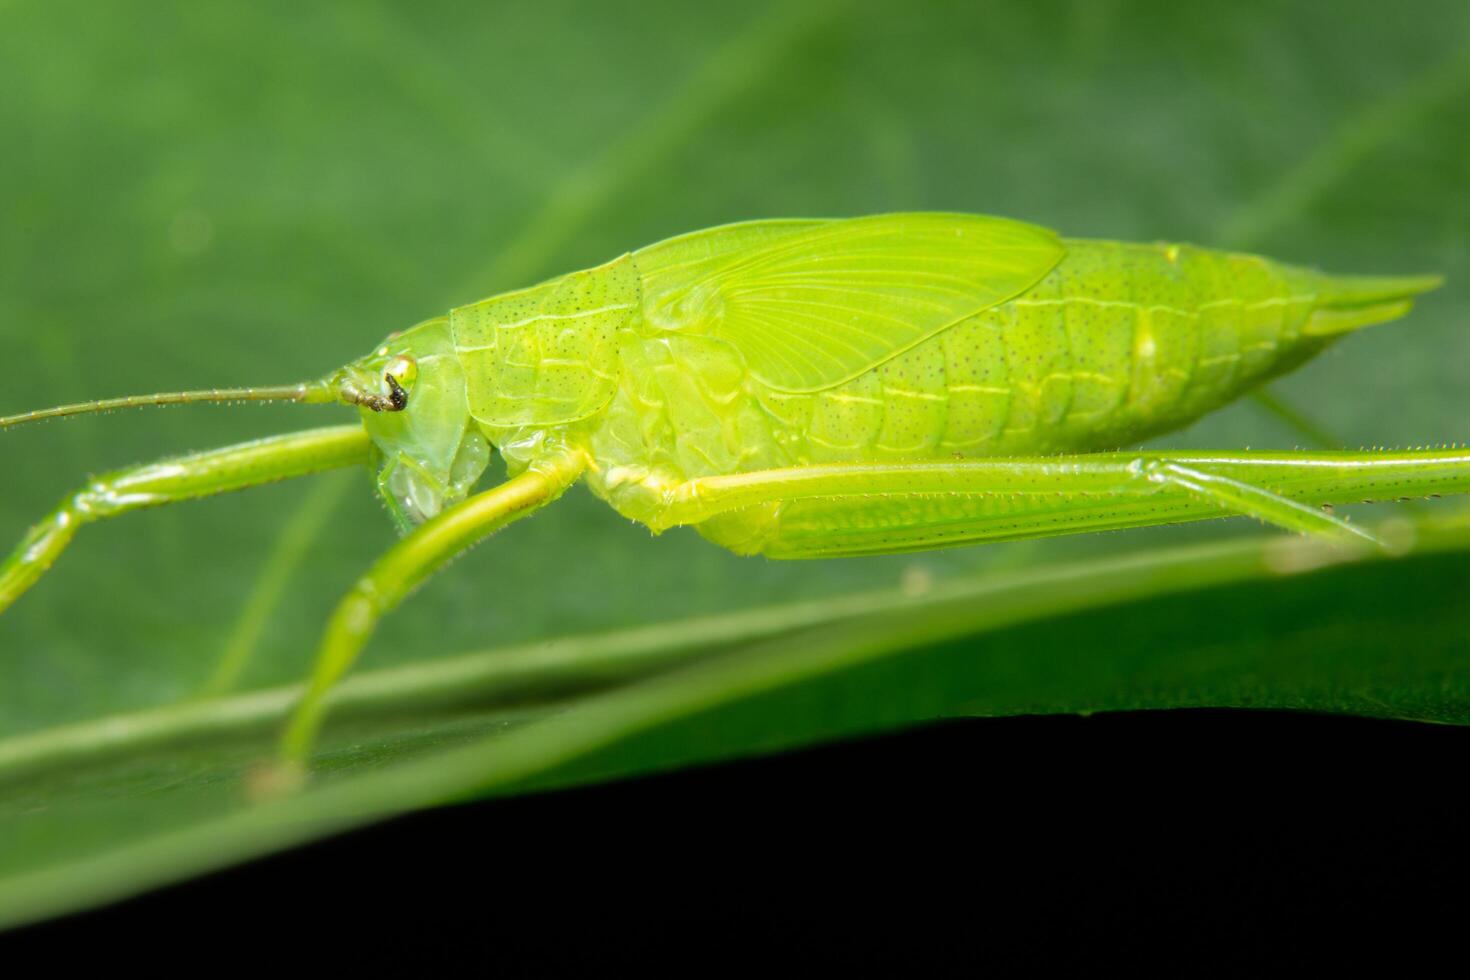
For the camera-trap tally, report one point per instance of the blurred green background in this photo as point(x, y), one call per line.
point(197, 195)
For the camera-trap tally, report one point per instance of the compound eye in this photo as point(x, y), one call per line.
point(403, 369)
point(399, 375)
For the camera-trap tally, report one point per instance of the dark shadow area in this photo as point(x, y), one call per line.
point(1031, 840)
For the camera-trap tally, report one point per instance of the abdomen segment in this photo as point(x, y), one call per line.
point(1118, 343)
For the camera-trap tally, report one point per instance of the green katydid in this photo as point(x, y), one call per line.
point(805, 388)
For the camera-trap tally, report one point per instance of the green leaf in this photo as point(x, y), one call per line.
point(253, 193)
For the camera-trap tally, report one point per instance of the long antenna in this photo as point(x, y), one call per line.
point(306, 391)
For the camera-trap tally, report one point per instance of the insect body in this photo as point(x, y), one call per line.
point(805, 388)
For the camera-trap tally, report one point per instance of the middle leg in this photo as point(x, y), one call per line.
point(404, 567)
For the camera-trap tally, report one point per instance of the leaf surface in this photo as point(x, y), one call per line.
point(201, 196)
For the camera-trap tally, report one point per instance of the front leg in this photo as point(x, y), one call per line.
point(407, 565)
point(174, 480)
point(877, 508)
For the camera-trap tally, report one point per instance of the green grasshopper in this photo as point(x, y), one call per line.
point(808, 388)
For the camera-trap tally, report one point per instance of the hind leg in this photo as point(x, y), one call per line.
point(865, 508)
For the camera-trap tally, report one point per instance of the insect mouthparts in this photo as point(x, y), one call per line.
point(395, 401)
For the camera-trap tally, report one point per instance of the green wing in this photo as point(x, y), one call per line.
point(810, 305)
